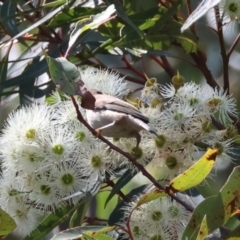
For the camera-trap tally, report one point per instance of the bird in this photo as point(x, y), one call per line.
point(111, 116)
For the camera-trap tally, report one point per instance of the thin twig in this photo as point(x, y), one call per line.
point(189, 9)
point(225, 58)
point(164, 64)
point(129, 66)
point(233, 45)
point(200, 60)
point(128, 156)
point(168, 67)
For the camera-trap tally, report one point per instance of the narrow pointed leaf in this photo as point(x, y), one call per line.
point(156, 193)
point(47, 17)
point(53, 220)
point(195, 174)
point(203, 231)
point(203, 7)
point(90, 23)
point(218, 209)
point(3, 69)
point(8, 21)
point(121, 13)
point(227, 202)
point(122, 181)
point(193, 226)
point(75, 233)
point(79, 215)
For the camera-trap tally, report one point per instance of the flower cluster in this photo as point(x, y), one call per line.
point(46, 159)
point(182, 117)
point(161, 218)
point(49, 159)
point(56, 161)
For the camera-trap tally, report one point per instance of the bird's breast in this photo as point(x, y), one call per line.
point(100, 118)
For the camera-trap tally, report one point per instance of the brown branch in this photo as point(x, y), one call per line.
point(189, 9)
point(164, 64)
point(233, 45)
point(129, 66)
point(200, 60)
point(129, 157)
point(225, 58)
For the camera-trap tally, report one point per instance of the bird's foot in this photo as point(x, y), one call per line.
point(98, 130)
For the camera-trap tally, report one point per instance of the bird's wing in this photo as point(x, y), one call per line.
point(107, 102)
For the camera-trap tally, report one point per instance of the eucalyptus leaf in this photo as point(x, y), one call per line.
point(122, 181)
point(9, 22)
point(7, 224)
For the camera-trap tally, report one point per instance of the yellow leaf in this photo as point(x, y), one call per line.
point(156, 193)
point(203, 231)
point(195, 174)
point(7, 224)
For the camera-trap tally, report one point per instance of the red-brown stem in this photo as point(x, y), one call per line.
point(129, 65)
point(233, 45)
point(225, 59)
point(164, 64)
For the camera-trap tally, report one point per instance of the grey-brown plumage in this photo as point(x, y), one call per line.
point(112, 117)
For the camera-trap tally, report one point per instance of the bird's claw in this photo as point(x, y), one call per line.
point(98, 131)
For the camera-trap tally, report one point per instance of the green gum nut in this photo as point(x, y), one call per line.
point(156, 102)
point(178, 81)
point(150, 82)
point(137, 102)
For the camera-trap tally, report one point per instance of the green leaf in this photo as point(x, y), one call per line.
point(203, 7)
point(65, 74)
point(7, 13)
point(47, 17)
point(122, 181)
point(89, 232)
point(79, 215)
point(218, 209)
point(121, 13)
point(154, 194)
point(75, 233)
point(192, 229)
point(54, 4)
point(134, 6)
point(195, 174)
point(235, 234)
point(227, 202)
point(28, 92)
point(53, 220)
point(71, 15)
point(90, 23)
point(3, 69)
point(33, 71)
point(118, 213)
point(98, 237)
point(7, 224)
point(203, 231)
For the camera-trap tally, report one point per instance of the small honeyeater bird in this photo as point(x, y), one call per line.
point(111, 116)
